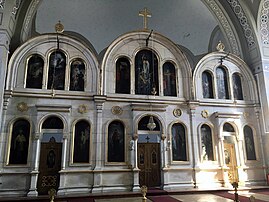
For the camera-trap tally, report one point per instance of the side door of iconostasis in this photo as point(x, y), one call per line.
point(49, 164)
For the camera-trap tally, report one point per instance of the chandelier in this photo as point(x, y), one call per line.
point(151, 124)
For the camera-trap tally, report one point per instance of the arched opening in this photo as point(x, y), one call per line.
point(237, 87)
point(123, 81)
point(249, 143)
point(207, 83)
point(35, 68)
point(50, 155)
point(230, 151)
point(179, 143)
point(77, 75)
point(57, 66)
point(222, 83)
point(116, 142)
point(169, 79)
point(146, 73)
point(18, 153)
point(149, 154)
point(207, 143)
point(81, 142)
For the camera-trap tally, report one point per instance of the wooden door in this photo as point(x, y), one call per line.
point(230, 161)
point(149, 164)
point(49, 167)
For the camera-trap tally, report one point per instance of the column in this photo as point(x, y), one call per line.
point(98, 141)
point(165, 150)
point(136, 170)
point(35, 171)
point(61, 190)
point(194, 144)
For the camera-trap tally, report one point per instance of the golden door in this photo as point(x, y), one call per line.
point(149, 164)
point(49, 167)
point(230, 161)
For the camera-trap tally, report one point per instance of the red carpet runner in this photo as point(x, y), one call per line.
point(163, 198)
point(231, 196)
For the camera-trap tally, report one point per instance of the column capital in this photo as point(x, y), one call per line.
point(4, 39)
point(99, 101)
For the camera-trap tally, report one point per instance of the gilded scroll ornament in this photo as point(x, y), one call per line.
point(205, 114)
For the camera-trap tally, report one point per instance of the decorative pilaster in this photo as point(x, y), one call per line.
point(99, 143)
point(135, 169)
point(35, 172)
point(194, 140)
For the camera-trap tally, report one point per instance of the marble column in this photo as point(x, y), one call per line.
point(34, 173)
point(136, 170)
point(99, 144)
point(61, 190)
point(194, 152)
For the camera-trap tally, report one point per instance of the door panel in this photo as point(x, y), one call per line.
point(230, 161)
point(49, 167)
point(149, 164)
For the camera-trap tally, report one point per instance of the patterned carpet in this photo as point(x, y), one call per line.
point(225, 194)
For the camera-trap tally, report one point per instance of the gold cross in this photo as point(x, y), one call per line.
point(145, 14)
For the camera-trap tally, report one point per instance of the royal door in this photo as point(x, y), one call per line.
point(149, 164)
point(230, 161)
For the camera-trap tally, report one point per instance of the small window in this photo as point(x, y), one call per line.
point(228, 128)
point(53, 123)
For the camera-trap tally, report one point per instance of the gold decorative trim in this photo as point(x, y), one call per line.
point(220, 47)
point(245, 114)
point(205, 114)
point(177, 112)
point(82, 109)
point(116, 110)
point(59, 28)
point(22, 107)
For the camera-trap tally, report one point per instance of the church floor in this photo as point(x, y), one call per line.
point(261, 194)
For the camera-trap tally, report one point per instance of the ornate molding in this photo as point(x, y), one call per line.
point(225, 25)
point(82, 109)
point(22, 107)
point(264, 22)
point(29, 17)
point(205, 114)
point(177, 112)
point(243, 20)
point(16, 7)
point(2, 4)
point(116, 110)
